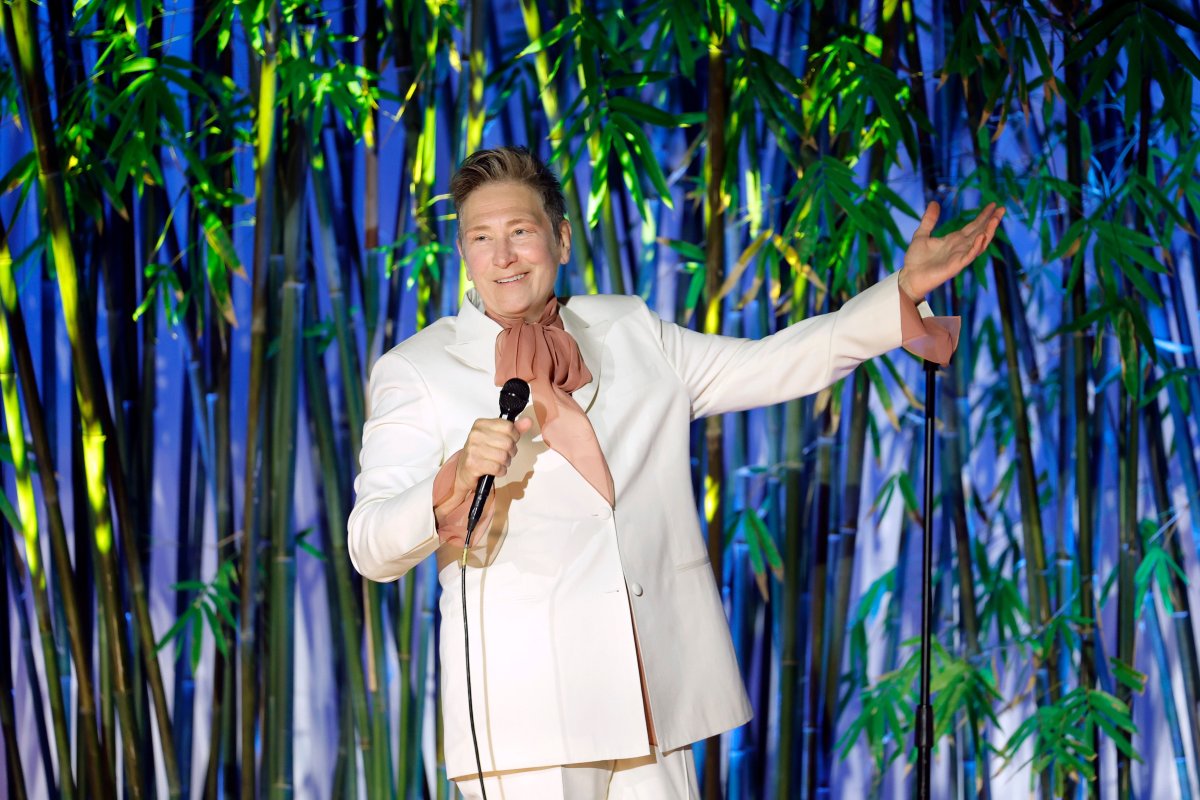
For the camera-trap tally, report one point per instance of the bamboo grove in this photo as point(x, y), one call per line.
point(215, 216)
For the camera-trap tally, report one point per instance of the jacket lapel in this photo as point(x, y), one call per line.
point(475, 335)
point(590, 338)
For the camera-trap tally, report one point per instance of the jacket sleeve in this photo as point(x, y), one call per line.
point(725, 374)
point(392, 526)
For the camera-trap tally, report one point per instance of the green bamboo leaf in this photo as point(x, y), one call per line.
point(7, 510)
point(885, 398)
point(689, 250)
point(770, 550)
point(644, 112)
point(637, 80)
point(599, 190)
point(1127, 676)
point(1101, 69)
point(754, 545)
point(629, 171)
point(1180, 49)
point(551, 37)
point(1098, 26)
point(303, 543)
point(904, 481)
point(646, 158)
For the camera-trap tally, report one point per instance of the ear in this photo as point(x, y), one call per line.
point(564, 239)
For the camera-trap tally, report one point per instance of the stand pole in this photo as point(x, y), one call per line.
point(924, 720)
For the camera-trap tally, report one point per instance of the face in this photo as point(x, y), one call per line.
point(511, 249)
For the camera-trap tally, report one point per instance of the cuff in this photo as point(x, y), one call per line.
point(452, 523)
point(926, 336)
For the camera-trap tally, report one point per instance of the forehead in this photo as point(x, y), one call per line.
point(499, 201)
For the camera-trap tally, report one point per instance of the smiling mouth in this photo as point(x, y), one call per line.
point(513, 279)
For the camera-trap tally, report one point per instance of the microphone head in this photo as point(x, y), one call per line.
point(513, 398)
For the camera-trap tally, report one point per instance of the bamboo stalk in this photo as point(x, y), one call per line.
point(373, 34)
point(581, 246)
point(264, 198)
point(714, 277)
point(1010, 308)
point(954, 456)
point(90, 399)
point(321, 418)
point(187, 568)
point(101, 778)
point(1079, 347)
point(27, 510)
point(14, 772)
point(1129, 452)
point(284, 405)
point(16, 579)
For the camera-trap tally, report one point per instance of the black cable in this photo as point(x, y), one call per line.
point(514, 396)
point(462, 571)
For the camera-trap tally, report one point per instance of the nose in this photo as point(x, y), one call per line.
point(503, 254)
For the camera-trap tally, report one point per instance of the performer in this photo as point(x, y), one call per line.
point(600, 649)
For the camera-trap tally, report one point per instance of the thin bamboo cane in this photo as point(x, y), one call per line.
point(1182, 619)
point(373, 34)
point(1180, 601)
point(321, 417)
point(957, 454)
point(1010, 307)
point(23, 23)
point(101, 778)
point(714, 276)
point(1129, 452)
point(406, 28)
point(17, 578)
point(350, 371)
point(589, 77)
point(27, 509)
point(14, 772)
point(581, 246)
point(1079, 348)
point(284, 405)
point(816, 776)
point(893, 622)
point(187, 569)
point(264, 198)
point(408, 726)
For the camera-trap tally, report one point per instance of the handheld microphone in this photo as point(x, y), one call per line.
point(514, 396)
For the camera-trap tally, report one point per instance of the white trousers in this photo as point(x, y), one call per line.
point(659, 776)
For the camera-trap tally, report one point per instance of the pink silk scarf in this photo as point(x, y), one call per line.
point(544, 355)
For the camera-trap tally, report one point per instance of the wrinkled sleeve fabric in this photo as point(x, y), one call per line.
point(724, 374)
point(392, 526)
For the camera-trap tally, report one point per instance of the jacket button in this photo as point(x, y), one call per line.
point(636, 588)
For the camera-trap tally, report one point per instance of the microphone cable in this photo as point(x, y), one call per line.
point(514, 396)
point(462, 571)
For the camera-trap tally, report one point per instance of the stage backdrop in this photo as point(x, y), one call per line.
point(217, 215)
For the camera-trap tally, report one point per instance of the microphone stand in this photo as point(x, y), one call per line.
point(924, 720)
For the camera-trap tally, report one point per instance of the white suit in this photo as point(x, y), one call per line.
point(553, 664)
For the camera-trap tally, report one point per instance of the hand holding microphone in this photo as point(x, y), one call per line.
point(489, 449)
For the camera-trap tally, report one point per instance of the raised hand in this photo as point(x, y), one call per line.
point(931, 260)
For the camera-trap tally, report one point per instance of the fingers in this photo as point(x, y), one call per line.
point(928, 220)
point(490, 448)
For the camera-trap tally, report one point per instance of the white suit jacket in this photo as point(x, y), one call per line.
point(553, 663)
